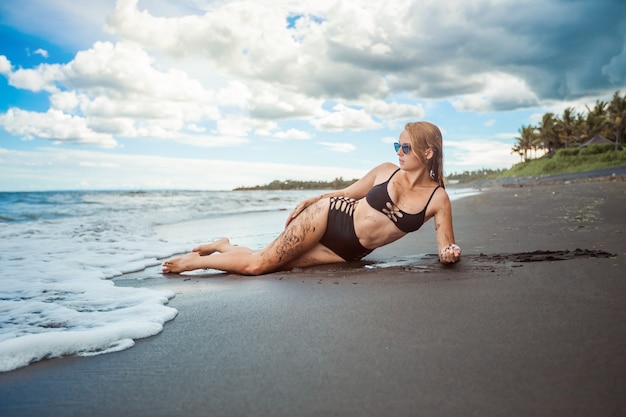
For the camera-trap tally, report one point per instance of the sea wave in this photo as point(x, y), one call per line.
point(60, 249)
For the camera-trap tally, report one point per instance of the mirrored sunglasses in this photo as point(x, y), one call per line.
point(406, 148)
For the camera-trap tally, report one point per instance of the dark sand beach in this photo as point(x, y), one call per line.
point(531, 322)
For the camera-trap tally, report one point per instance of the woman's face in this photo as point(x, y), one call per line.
point(409, 159)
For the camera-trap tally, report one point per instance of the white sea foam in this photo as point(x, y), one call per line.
point(59, 251)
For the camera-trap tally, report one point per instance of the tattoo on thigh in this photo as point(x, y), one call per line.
point(292, 239)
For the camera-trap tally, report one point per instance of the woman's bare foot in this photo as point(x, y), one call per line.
point(220, 245)
point(184, 263)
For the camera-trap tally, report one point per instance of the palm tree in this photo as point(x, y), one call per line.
point(526, 141)
point(566, 127)
point(616, 117)
point(530, 138)
point(552, 133)
point(548, 133)
point(518, 148)
point(583, 130)
point(595, 121)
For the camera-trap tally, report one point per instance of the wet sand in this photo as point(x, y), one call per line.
point(531, 322)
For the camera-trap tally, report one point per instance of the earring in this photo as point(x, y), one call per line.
point(432, 174)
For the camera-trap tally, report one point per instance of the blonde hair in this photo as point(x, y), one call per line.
point(425, 135)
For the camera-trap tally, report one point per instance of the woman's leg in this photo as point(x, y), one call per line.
point(319, 255)
point(298, 238)
point(221, 245)
point(194, 259)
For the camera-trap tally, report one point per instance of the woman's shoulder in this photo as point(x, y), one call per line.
point(440, 197)
point(386, 166)
point(386, 169)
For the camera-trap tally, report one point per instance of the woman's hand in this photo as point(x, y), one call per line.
point(300, 208)
point(450, 254)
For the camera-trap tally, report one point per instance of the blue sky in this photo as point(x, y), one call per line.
point(197, 94)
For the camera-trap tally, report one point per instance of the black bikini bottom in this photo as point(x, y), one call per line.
point(340, 236)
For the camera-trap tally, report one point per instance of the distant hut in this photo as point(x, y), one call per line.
point(597, 140)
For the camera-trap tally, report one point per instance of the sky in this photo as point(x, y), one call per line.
point(216, 94)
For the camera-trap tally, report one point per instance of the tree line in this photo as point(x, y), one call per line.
point(477, 175)
point(571, 129)
point(336, 184)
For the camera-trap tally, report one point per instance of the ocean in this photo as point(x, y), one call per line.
point(61, 250)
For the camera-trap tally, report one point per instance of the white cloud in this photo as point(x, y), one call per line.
point(338, 147)
point(233, 126)
point(41, 52)
point(303, 61)
point(65, 101)
point(42, 78)
point(346, 52)
point(125, 69)
point(235, 93)
point(5, 65)
point(499, 91)
point(116, 89)
point(271, 102)
point(475, 154)
point(54, 125)
point(192, 127)
point(292, 134)
point(394, 110)
point(344, 118)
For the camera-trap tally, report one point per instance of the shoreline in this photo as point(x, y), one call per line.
point(496, 334)
point(617, 173)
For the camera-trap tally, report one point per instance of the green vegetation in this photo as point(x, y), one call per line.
point(563, 161)
point(336, 184)
point(559, 140)
point(571, 160)
point(471, 176)
point(606, 119)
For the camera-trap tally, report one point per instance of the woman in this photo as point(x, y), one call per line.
point(345, 225)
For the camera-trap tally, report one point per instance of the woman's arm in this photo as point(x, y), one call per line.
point(356, 191)
point(449, 252)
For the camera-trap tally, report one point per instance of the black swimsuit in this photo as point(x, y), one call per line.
point(340, 236)
point(378, 197)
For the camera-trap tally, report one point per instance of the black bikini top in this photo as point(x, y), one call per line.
point(378, 198)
